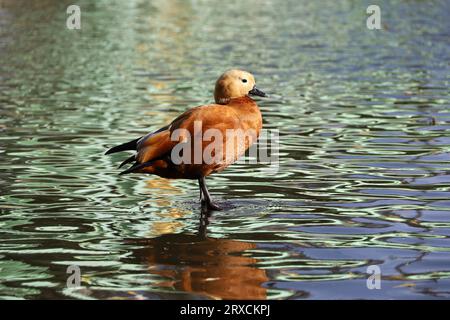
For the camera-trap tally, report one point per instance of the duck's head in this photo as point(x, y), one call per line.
point(235, 84)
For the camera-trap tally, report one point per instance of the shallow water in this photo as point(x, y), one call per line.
point(363, 179)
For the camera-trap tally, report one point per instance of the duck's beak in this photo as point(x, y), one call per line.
point(257, 92)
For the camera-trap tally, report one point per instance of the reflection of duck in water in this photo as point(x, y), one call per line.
point(207, 266)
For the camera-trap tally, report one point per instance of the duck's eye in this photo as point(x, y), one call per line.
point(244, 80)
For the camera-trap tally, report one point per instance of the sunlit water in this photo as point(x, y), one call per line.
point(364, 123)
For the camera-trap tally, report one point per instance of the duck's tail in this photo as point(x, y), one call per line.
point(128, 160)
point(137, 166)
point(131, 145)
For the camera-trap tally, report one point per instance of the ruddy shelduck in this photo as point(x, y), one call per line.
point(203, 140)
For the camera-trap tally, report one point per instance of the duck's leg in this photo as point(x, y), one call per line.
point(204, 221)
point(205, 196)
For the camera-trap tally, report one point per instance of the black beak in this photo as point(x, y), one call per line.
point(257, 92)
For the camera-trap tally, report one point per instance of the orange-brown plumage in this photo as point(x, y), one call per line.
point(234, 111)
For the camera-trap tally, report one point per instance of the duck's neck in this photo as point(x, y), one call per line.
point(244, 104)
point(240, 100)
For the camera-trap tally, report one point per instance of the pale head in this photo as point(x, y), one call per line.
point(235, 84)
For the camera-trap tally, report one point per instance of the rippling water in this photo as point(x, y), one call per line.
point(364, 123)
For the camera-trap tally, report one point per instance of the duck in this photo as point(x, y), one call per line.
point(203, 140)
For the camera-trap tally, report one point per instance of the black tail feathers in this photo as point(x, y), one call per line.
point(128, 160)
point(131, 145)
point(137, 166)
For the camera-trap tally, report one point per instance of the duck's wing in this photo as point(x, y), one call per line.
point(154, 146)
point(158, 145)
point(151, 147)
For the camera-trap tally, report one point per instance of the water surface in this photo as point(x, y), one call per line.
point(364, 123)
